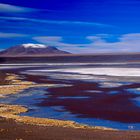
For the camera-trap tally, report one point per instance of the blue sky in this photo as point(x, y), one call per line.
point(78, 26)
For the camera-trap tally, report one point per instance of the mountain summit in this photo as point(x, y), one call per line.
point(32, 49)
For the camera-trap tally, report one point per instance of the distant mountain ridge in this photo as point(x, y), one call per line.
point(32, 49)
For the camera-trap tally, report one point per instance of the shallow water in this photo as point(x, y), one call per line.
point(97, 96)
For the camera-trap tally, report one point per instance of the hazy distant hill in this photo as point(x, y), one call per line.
point(72, 58)
point(32, 49)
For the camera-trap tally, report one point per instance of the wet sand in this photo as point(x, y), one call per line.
point(103, 104)
point(13, 111)
point(26, 132)
point(14, 86)
point(109, 103)
point(12, 83)
point(11, 130)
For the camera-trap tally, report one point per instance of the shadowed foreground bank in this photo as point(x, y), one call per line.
point(10, 130)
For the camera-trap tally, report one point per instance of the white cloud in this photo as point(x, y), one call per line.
point(60, 22)
point(7, 8)
point(10, 35)
point(2, 50)
point(125, 43)
point(95, 38)
point(48, 38)
point(134, 37)
point(54, 41)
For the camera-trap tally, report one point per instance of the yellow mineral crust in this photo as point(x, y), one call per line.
point(13, 111)
point(15, 85)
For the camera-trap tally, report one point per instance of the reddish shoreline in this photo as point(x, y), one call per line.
point(11, 130)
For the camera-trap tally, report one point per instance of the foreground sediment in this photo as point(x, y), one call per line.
point(13, 111)
point(14, 85)
point(11, 130)
point(16, 127)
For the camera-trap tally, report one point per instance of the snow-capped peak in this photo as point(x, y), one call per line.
point(30, 45)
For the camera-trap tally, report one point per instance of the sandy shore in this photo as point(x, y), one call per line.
point(13, 126)
point(13, 111)
point(13, 84)
point(11, 130)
